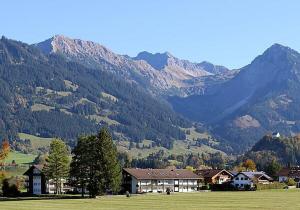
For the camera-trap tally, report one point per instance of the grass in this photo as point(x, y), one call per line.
point(41, 107)
point(268, 199)
point(36, 141)
point(110, 97)
point(106, 119)
point(20, 158)
point(180, 147)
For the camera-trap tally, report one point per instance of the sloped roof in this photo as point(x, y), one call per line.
point(255, 174)
point(161, 173)
point(29, 171)
point(283, 172)
point(289, 172)
point(209, 173)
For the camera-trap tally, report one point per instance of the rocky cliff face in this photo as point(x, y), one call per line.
point(161, 73)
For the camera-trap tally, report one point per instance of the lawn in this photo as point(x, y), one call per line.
point(36, 141)
point(268, 199)
point(20, 158)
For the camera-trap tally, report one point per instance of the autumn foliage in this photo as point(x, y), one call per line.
point(5, 148)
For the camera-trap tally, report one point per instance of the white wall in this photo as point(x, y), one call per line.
point(37, 185)
point(241, 180)
point(162, 185)
point(282, 178)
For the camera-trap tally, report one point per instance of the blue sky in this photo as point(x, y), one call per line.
point(226, 32)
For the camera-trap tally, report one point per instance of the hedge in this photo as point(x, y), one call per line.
point(273, 185)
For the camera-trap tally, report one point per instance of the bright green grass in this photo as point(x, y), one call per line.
point(20, 158)
point(36, 141)
point(272, 199)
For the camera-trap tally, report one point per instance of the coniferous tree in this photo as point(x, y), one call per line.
point(79, 167)
point(109, 161)
point(57, 163)
point(95, 164)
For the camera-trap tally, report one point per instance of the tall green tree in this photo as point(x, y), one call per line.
point(95, 164)
point(109, 161)
point(57, 163)
point(80, 165)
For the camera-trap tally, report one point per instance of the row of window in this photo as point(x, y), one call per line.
point(242, 178)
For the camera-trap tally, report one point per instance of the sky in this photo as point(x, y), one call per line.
point(225, 32)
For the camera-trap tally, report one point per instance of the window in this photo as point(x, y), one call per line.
point(242, 178)
point(237, 178)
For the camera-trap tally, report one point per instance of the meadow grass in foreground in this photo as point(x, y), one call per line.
point(267, 199)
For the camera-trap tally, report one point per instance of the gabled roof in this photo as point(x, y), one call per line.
point(255, 174)
point(210, 173)
point(290, 172)
point(30, 170)
point(139, 173)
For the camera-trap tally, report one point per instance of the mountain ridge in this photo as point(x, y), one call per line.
point(174, 78)
point(37, 90)
point(263, 95)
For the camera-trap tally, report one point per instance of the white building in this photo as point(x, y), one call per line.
point(289, 173)
point(276, 135)
point(248, 179)
point(38, 184)
point(160, 180)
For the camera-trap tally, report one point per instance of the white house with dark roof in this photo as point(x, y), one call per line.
point(276, 135)
point(37, 183)
point(289, 173)
point(247, 179)
point(160, 180)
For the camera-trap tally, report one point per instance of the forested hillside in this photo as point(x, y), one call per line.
point(46, 95)
point(285, 150)
point(263, 97)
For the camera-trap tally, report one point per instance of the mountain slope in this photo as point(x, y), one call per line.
point(159, 73)
point(285, 150)
point(46, 95)
point(262, 97)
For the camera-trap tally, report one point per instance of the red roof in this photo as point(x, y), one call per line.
point(292, 172)
point(161, 173)
point(209, 173)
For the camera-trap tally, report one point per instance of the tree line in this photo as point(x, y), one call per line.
point(94, 166)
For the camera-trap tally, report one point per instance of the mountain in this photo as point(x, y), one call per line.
point(263, 96)
point(47, 95)
point(285, 150)
point(161, 74)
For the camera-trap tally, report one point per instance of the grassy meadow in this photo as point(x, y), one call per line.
point(266, 199)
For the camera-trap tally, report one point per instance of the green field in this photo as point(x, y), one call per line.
point(36, 141)
point(20, 158)
point(271, 199)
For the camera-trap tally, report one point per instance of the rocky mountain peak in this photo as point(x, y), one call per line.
point(157, 60)
point(278, 53)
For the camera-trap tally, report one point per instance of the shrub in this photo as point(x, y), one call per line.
point(291, 182)
point(274, 185)
point(205, 187)
point(222, 187)
point(10, 189)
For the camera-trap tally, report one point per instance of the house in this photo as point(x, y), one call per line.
point(37, 183)
point(276, 135)
point(215, 176)
point(136, 180)
point(289, 172)
point(248, 179)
